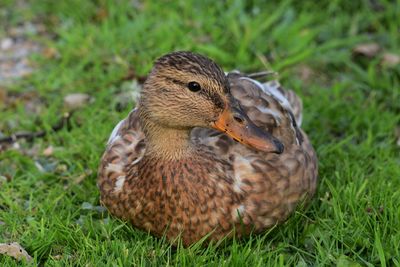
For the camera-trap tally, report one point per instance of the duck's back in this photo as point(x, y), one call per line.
point(272, 185)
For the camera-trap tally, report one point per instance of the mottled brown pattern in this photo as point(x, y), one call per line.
point(208, 184)
point(190, 62)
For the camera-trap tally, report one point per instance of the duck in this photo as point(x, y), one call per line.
point(207, 155)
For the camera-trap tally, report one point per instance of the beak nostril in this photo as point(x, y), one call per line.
point(238, 119)
point(279, 146)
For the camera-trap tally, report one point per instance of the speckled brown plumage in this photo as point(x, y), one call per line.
point(166, 171)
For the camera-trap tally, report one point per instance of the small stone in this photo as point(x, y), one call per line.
point(14, 250)
point(76, 101)
point(368, 49)
point(390, 59)
point(87, 206)
point(6, 43)
point(61, 168)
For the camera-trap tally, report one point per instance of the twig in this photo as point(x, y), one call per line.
point(261, 74)
point(31, 135)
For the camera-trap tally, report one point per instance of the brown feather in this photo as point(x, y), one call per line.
point(216, 186)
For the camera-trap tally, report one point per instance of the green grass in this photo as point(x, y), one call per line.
point(352, 108)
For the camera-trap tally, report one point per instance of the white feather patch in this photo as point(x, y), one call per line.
point(111, 167)
point(114, 134)
point(277, 94)
point(242, 167)
point(270, 88)
point(120, 183)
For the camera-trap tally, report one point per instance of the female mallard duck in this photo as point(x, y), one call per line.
point(173, 167)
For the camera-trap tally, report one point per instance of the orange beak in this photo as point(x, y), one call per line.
point(236, 124)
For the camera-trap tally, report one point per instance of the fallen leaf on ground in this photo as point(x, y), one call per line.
point(101, 14)
point(82, 177)
point(48, 151)
point(75, 101)
point(306, 73)
point(57, 257)
point(39, 166)
point(50, 52)
point(369, 49)
point(390, 59)
point(79, 179)
point(14, 250)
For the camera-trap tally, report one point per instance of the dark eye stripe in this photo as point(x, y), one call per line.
point(176, 81)
point(215, 98)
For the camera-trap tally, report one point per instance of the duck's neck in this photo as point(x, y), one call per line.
point(167, 143)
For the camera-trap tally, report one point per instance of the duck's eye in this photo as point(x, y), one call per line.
point(194, 86)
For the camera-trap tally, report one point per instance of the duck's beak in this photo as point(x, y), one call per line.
point(235, 123)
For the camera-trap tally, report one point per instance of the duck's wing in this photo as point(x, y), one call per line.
point(125, 148)
point(274, 88)
point(294, 100)
point(268, 105)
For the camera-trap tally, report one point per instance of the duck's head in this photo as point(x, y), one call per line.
point(186, 90)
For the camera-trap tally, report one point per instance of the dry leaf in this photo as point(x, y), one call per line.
point(14, 250)
point(369, 49)
point(50, 52)
point(39, 166)
point(306, 73)
point(57, 257)
point(79, 179)
point(101, 14)
point(48, 151)
point(390, 59)
point(75, 101)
